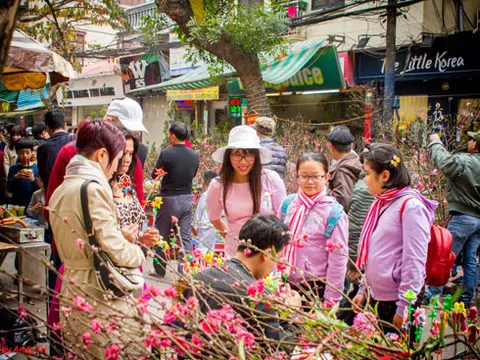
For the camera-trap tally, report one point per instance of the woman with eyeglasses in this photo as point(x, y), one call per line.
point(317, 253)
point(243, 187)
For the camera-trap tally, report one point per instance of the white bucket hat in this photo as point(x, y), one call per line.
point(243, 137)
point(129, 112)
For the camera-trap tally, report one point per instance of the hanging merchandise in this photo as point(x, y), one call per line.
point(251, 117)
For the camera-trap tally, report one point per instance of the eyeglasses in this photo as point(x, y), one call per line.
point(314, 178)
point(249, 158)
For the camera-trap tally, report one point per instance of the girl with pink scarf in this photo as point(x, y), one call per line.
point(314, 258)
point(395, 235)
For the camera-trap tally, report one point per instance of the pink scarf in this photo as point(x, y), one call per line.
point(371, 220)
point(296, 223)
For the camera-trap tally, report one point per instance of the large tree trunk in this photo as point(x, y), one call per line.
point(252, 81)
point(8, 17)
point(246, 64)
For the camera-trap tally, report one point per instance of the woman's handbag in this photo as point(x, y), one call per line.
point(120, 280)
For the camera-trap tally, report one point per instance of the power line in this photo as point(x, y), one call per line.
point(317, 20)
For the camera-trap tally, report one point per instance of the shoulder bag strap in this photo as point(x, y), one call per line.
point(86, 213)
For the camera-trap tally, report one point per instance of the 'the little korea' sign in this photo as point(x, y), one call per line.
point(448, 55)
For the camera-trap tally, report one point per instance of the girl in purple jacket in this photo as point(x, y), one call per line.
point(314, 258)
point(393, 243)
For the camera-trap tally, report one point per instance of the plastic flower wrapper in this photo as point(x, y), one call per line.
point(459, 317)
point(410, 296)
point(272, 283)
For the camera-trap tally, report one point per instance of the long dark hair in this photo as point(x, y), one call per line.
point(16, 130)
point(254, 178)
point(129, 136)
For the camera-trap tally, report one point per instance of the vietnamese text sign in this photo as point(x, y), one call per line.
point(211, 93)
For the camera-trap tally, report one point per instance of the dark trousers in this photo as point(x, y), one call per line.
point(181, 207)
point(346, 313)
point(386, 312)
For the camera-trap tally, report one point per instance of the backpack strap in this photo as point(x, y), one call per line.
point(335, 215)
point(286, 203)
point(402, 208)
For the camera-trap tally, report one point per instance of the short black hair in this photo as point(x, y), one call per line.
point(55, 119)
point(381, 157)
point(37, 129)
point(24, 143)
point(179, 129)
point(313, 156)
point(263, 232)
point(341, 148)
point(209, 175)
point(9, 127)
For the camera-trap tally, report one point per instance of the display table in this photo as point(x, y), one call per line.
point(7, 246)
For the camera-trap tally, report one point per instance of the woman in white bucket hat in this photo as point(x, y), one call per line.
point(243, 187)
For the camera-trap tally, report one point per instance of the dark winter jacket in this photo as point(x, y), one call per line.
point(214, 285)
point(361, 201)
point(343, 176)
point(463, 178)
point(279, 156)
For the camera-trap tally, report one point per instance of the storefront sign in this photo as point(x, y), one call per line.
point(211, 93)
point(453, 55)
point(139, 71)
point(321, 73)
point(346, 64)
point(235, 107)
point(178, 64)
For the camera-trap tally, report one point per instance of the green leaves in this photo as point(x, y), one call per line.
point(56, 23)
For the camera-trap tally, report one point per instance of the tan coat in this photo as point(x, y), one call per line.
point(65, 215)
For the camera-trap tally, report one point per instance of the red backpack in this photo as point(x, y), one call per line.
point(440, 257)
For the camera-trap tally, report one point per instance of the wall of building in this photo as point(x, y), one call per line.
point(424, 16)
point(440, 18)
point(352, 28)
point(155, 114)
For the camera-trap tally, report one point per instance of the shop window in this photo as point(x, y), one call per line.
point(107, 91)
point(325, 5)
point(94, 92)
point(80, 94)
point(69, 94)
point(413, 113)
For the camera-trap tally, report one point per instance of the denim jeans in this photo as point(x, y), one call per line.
point(465, 231)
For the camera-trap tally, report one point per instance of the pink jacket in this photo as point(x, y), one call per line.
point(313, 258)
point(397, 251)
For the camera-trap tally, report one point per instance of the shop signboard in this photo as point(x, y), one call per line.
point(210, 93)
point(235, 106)
point(178, 64)
point(139, 71)
point(320, 73)
point(455, 55)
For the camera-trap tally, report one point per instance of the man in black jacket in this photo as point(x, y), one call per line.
point(48, 151)
point(268, 237)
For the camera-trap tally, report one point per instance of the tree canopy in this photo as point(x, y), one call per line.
point(242, 34)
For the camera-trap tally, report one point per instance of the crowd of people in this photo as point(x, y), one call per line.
point(358, 207)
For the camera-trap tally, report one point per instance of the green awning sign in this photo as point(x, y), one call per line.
point(321, 72)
